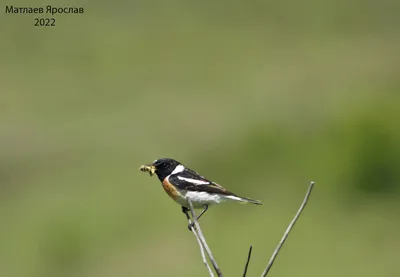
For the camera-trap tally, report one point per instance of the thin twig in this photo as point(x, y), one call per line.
point(203, 255)
point(203, 240)
point(247, 262)
point(286, 234)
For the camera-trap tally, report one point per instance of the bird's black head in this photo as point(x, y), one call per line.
point(164, 167)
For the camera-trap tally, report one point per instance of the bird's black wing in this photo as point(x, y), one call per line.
point(191, 181)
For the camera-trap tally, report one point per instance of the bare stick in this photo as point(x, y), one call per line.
point(203, 240)
point(203, 255)
point(247, 262)
point(286, 234)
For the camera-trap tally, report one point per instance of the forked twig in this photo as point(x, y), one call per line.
point(203, 240)
point(203, 244)
point(203, 255)
point(286, 234)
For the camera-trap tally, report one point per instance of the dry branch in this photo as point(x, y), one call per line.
point(286, 234)
point(204, 246)
point(202, 251)
point(203, 240)
point(247, 262)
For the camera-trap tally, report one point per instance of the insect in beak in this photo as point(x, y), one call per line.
point(151, 169)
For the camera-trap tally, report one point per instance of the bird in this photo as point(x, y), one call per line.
point(182, 183)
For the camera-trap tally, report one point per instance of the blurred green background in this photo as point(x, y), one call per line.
point(259, 96)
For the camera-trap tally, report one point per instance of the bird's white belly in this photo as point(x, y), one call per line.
point(199, 199)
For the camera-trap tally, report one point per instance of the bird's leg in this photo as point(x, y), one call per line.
point(198, 217)
point(186, 212)
point(203, 211)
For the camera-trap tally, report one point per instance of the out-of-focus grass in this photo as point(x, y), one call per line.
point(258, 97)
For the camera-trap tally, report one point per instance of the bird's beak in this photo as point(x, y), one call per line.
point(151, 169)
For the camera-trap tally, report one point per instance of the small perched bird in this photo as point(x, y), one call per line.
point(182, 183)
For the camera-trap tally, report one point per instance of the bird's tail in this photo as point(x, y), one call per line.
point(243, 200)
point(257, 202)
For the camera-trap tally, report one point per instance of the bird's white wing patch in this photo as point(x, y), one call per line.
point(178, 169)
point(193, 181)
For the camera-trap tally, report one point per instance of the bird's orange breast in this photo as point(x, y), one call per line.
point(170, 189)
